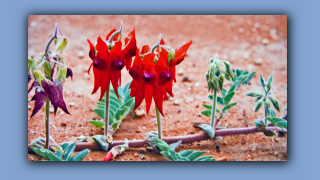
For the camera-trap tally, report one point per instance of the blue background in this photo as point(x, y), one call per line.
point(303, 46)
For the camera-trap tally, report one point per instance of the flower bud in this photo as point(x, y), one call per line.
point(39, 76)
point(62, 73)
point(164, 77)
point(62, 45)
point(267, 103)
point(229, 69)
point(171, 55)
point(221, 80)
point(117, 65)
point(253, 94)
point(31, 64)
point(216, 84)
point(149, 78)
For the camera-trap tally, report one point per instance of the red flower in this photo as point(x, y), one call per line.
point(179, 55)
point(149, 78)
point(109, 60)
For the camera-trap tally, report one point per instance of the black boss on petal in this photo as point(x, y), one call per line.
point(149, 78)
point(100, 64)
point(164, 77)
point(117, 65)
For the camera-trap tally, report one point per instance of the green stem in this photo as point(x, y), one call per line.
point(49, 42)
point(106, 112)
point(265, 114)
point(156, 45)
point(213, 110)
point(115, 33)
point(159, 123)
point(47, 123)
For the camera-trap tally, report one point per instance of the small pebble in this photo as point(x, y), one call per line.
point(274, 33)
point(197, 105)
point(29, 107)
point(276, 153)
point(51, 110)
point(185, 79)
point(142, 156)
point(276, 139)
point(191, 132)
point(135, 155)
point(217, 147)
point(176, 102)
point(256, 25)
point(197, 84)
point(63, 124)
point(80, 54)
point(179, 110)
point(265, 41)
point(33, 23)
point(258, 61)
point(139, 113)
point(224, 143)
point(138, 130)
point(180, 72)
point(72, 104)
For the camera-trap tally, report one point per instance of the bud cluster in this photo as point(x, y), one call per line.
point(215, 75)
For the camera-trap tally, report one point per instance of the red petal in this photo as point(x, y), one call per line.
point(105, 81)
point(128, 62)
point(133, 87)
point(169, 87)
point(112, 31)
point(148, 96)
point(97, 79)
point(90, 68)
point(145, 49)
point(158, 98)
point(116, 49)
point(91, 52)
point(139, 95)
point(114, 76)
point(164, 91)
point(180, 54)
point(172, 71)
point(130, 48)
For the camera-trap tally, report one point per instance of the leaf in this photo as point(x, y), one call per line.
point(52, 156)
point(195, 155)
point(80, 155)
point(126, 88)
point(259, 124)
point(259, 103)
point(115, 103)
point(269, 81)
point(206, 113)
point(205, 158)
point(224, 91)
point(116, 124)
point(102, 140)
point(285, 108)
point(99, 112)
point(234, 86)
point(97, 123)
point(210, 107)
point(163, 146)
point(173, 154)
point(238, 72)
point(174, 146)
point(262, 81)
point(278, 122)
point(219, 100)
point(229, 106)
point(208, 129)
point(185, 153)
point(251, 75)
point(274, 103)
point(272, 113)
point(69, 151)
point(269, 133)
point(128, 103)
point(253, 94)
point(228, 98)
point(167, 154)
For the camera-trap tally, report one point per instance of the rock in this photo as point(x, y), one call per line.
point(241, 30)
point(138, 130)
point(274, 33)
point(197, 105)
point(276, 139)
point(179, 110)
point(142, 156)
point(276, 153)
point(185, 79)
point(139, 113)
point(63, 124)
point(265, 41)
point(80, 54)
point(135, 155)
point(142, 151)
point(29, 107)
point(176, 102)
point(217, 147)
point(51, 110)
point(197, 84)
point(180, 72)
point(191, 132)
point(258, 61)
point(224, 143)
point(246, 55)
point(72, 104)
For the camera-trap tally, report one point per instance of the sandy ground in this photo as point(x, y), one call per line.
point(255, 43)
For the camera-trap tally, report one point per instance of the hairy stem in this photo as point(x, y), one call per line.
point(159, 124)
point(265, 114)
point(47, 124)
point(213, 110)
point(94, 146)
point(49, 42)
point(115, 33)
point(106, 112)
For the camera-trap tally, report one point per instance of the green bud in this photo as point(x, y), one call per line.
point(229, 69)
point(62, 73)
point(62, 45)
point(31, 64)
point(216, 84)
point(171, 55)
point(267, 103)
point(221, 80)
point(228, 77)
point(253, 94)
point(39, 76)
point(259, 103)
point(55, 41)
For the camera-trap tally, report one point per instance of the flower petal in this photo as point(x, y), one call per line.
point(158, 98)
point(148, 96)
point(91, 52)
point(180, 54)
point(69, 73)
point(169, 87)
point(39, 98)
point(97, 79)
point(139, 95)
point(104, 82)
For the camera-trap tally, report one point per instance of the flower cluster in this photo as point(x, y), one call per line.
point(49, 84)
point(109, 58)
point(153, 73)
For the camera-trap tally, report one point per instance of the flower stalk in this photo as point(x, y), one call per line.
point(47, 123)
point(159, 124)
point(106, 113)
point(214, 104)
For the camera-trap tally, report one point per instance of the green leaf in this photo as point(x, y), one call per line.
point(224, 91)
point(259, 103)
point(185, 153)
point(206, 113)
point(51, 156)
point(99, 112)
point(262, 81)
point(210, 107)
point(80, 155)
point(274, 103)
point(234, 86)
point(167, 154)
point(102, 140)
point(285, 108)
point(269, 81)
point(229, 106)
point(205, 158)
point(269, 133)
point(195, 155)
point(115, 103)
point(173, 154)
point(116, 124)
point(272, 113)
point(259, 124)
point(97, 123)
point(238, 72)
point(126, 88)
point(163, 146)
point(174, 146)
point(253, 94)
point(69, 151)
point(208, 129)
point(128, 103)
point(278, 122)
point(228, 98)
point(219, 100)
point(251, 75)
